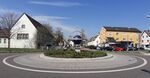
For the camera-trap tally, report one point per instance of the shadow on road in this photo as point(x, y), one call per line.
point(147, 71)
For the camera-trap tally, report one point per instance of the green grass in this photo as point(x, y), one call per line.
point(20, 50)
point(73, 54)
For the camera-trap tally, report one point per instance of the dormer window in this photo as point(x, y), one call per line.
point(23, 26)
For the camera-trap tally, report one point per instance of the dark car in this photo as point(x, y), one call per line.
point(109, 48)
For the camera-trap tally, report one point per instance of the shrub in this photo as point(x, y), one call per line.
point(72, 54)
point(91, 47)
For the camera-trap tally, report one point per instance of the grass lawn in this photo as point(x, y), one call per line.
point(20, 50)
point(72, 54)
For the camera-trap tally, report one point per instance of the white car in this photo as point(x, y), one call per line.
point(147, 47)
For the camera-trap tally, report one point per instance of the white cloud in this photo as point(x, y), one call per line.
point(53, 17)
point(4, 10)
point(58, 4)
point(67, 29)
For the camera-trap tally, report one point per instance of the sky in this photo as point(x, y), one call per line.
point(90, 15)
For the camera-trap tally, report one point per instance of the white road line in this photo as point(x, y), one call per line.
point(48, 71)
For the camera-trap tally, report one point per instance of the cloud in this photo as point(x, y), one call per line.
point(53, 17)
point(67, 29)
point(5, 10)
point(58, 4)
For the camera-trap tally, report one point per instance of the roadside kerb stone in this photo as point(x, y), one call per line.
point(109, 56)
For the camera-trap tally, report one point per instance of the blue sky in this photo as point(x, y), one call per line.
point(89, 15)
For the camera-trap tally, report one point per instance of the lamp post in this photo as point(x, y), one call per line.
point(148, 16)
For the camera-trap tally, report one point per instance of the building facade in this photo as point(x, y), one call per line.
point(120, 34)
point(94, 41)
point(145, 37)
point(24, 33)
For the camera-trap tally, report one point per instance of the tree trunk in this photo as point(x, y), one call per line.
point(8, 43)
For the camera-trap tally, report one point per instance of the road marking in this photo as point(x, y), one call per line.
point(69, 72)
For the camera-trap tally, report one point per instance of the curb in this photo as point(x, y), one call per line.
point(109, 56)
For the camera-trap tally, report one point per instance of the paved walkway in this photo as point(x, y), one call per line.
point(35, 60)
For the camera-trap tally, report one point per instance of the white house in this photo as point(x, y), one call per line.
point(71, 43)
point(145, 37)
point(24, 33)
point(95, 41)
point(3, 39)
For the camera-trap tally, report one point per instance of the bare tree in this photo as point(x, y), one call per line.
point(45, 35)
point(6, 23)
point(83, 36)
point(59, 36)
point(49, 28)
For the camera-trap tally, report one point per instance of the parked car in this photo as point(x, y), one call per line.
point(131, 49)
point(117, 48)
point(147, 47)
point(141, 48)
point(109, 48)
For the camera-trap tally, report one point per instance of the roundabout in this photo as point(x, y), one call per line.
point(40, 63)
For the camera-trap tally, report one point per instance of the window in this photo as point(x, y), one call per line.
point(117, 38)
point(22, 36)
point(5, 40)
point(110, 34)
point(147, 36)
point(117, 33)
point(23, 26)
point(124, 38)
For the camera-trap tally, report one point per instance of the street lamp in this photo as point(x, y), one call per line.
point(148, 16)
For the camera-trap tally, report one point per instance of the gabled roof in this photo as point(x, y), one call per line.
point(122, 29)
point(93, 38)
point(37, 25)
point(147, 32)
point(34, 22)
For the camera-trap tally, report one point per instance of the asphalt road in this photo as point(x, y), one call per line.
point(9, 72)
